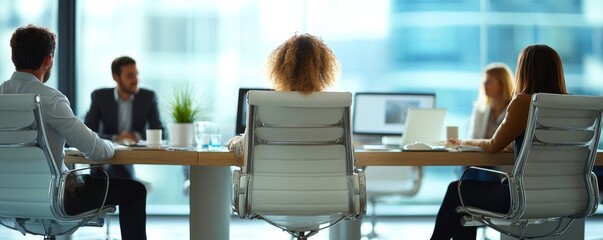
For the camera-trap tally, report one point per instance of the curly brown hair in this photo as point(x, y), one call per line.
point(303, 63)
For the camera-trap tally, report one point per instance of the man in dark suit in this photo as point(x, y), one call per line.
point(122, 114)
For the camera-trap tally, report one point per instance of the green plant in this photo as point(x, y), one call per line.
point(182, 106)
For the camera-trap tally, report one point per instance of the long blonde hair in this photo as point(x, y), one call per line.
point(502, 73)
point(303, 63)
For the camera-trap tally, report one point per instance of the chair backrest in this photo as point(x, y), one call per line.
point(299, 157)
point(28, 174)
point(553, 168)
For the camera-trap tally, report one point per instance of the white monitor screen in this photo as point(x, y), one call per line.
point(385, 113)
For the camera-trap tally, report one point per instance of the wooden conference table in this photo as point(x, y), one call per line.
point(211, 179)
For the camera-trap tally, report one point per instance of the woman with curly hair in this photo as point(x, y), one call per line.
point(303, 63)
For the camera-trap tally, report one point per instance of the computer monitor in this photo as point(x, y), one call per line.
point(385, 113)
point(242, 109)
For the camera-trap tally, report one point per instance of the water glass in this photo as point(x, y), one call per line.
point(202, 131)
point(215, 141)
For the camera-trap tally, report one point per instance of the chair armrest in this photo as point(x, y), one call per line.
point(481, 212)
point(476, 211)
point(596, 194)
point(473, 168)
point(61, 192)
point(360, 189)
point(236, 178)
point(469, 221)
point(239, 193)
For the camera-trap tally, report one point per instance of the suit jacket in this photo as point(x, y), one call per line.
point(102, 116)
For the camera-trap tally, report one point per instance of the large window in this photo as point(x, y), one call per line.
point(14, 14)
point(437, 46)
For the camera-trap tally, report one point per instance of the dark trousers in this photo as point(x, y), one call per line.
point(114, 171)
point(480, 175)
point(485, 195)
point(128, 194)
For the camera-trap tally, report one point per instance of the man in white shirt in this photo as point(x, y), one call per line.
point(32, 54)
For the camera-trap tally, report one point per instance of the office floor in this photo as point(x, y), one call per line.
point(176, 228)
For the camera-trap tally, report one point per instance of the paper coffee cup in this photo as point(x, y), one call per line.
point(452, 132)
point(153, 137)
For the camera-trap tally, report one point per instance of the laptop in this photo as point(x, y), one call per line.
point(423, 125)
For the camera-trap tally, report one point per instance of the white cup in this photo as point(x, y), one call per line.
point(153, 138)
point(452, 132)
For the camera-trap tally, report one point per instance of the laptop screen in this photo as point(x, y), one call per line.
point(242, 109)
point(423, 125)
point(385, 113)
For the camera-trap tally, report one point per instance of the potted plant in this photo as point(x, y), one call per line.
point(184, 112)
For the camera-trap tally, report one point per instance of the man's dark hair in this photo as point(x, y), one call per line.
point(119, 62)
point(30, 45)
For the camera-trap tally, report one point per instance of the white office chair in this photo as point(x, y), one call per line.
point(299, 172)
point(32, 186)
point(385, 182)
point(552, 181)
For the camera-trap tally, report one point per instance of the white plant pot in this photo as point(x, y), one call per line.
point(181, 135)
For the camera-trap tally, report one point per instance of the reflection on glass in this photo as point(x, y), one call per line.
point(395, 111)
point(410, 46)
point(14, 14)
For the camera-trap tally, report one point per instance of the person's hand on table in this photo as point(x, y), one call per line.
point(234, 145)
point(454, 142)
point(127, 136)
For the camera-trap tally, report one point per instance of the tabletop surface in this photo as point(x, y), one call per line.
point(363, 158)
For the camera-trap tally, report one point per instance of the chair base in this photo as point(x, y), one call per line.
point(372, 235)
point(303, 236)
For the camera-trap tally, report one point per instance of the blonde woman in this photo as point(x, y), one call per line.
point(303, 63)
point(490, 109)
point(491, 106)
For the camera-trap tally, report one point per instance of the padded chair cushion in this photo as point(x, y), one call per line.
point(299, 162)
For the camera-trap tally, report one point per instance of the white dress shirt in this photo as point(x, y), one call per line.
point(124, 113)
point(61, 124)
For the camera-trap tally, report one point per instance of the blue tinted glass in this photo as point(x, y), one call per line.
point(435, 5)
point(14, 14)
point(545, 6)
point(437, 46)
point(573, 44)
point(441, 48)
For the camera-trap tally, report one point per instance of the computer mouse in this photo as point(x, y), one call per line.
point(417, 146)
